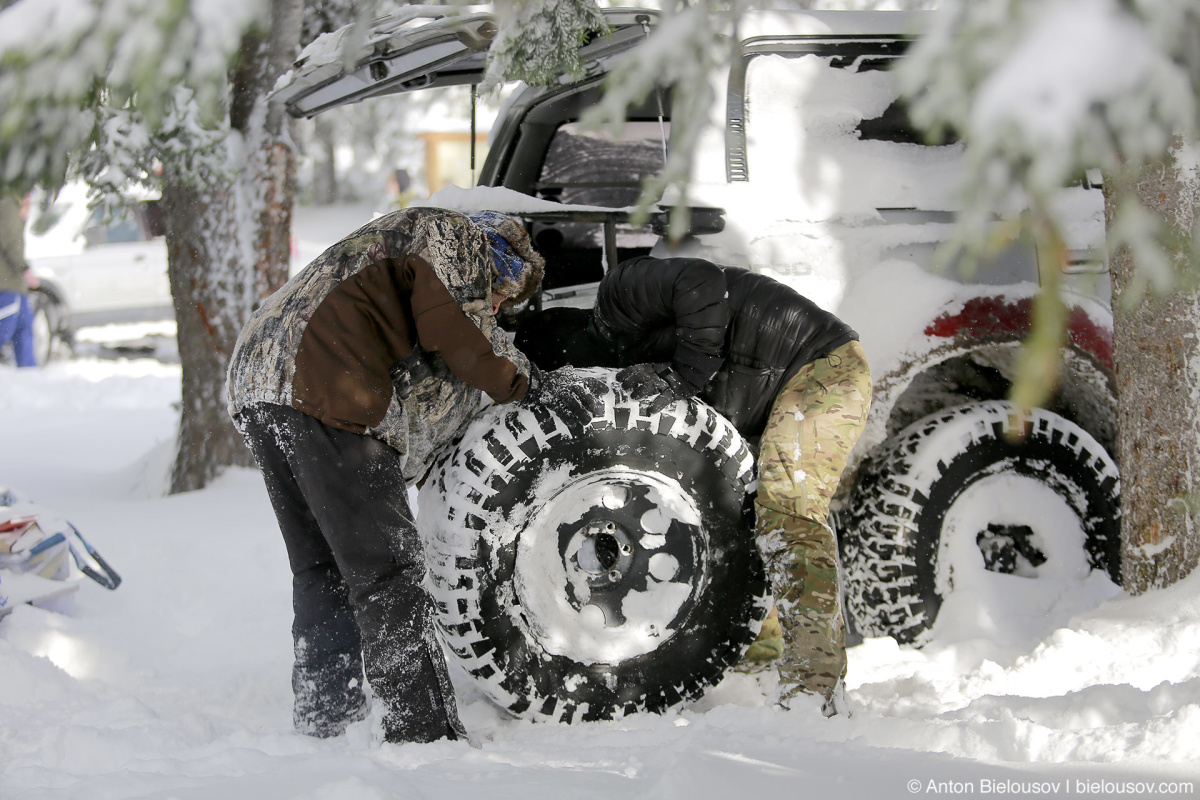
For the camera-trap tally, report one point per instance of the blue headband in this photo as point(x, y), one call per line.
point(508, 263)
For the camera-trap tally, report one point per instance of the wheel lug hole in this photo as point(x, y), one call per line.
point(601, 551)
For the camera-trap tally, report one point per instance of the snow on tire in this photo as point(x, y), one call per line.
point(953, 499)
point(588, 571)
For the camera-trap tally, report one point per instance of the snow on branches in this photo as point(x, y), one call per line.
point(1043, 91)
point(539, 40)
point(64, 59)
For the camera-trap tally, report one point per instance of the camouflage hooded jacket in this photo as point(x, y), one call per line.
point(389, 333)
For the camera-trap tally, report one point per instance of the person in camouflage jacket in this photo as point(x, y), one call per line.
point(790, 376)
point(345, 383)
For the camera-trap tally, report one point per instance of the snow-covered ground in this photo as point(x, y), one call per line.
point(176, 685)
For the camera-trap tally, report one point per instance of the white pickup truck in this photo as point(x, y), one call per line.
point(95, 269)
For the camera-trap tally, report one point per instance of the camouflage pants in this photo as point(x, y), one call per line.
point(813, 426)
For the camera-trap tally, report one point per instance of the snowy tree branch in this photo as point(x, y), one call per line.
point(1042, 92)
point(539, 40)
point(64, 59)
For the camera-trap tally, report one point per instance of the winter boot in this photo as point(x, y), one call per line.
point(329, 697)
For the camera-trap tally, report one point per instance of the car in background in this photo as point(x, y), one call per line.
point(99, 268)
point(95, 267)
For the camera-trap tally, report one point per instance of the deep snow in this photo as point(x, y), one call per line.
point(176, 684)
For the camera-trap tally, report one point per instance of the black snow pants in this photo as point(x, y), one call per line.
point(357, 566)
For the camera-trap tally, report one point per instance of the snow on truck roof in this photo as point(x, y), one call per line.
point(771, 24)
point(429, 46)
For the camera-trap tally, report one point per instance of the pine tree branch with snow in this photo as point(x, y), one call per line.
point(65, 58)
point(539, 40)
point(1042, 92)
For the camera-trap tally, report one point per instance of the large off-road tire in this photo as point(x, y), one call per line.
point(585, 572)
point(953, 497)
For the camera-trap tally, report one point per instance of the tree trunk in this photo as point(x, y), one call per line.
point(228, 246)
point(203, 268)
point(324, 164)
point(1158, 372)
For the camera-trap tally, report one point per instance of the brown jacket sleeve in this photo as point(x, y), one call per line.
point(442, 326)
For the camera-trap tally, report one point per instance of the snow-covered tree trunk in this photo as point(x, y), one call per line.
point(203, 264)
point(228, 245)
point(1157, 356)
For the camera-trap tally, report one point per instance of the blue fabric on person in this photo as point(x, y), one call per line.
point(506, 260)
point(16, 326)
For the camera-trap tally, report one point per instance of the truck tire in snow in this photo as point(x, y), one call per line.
point(952, 496)
point(586, 572)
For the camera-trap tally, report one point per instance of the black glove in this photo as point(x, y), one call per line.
point(658, 383)
point(407, 373)
point(573, 396)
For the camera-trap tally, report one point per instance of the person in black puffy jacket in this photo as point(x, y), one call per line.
point(790, 376)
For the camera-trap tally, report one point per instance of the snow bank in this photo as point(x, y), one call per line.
point(177, 684)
